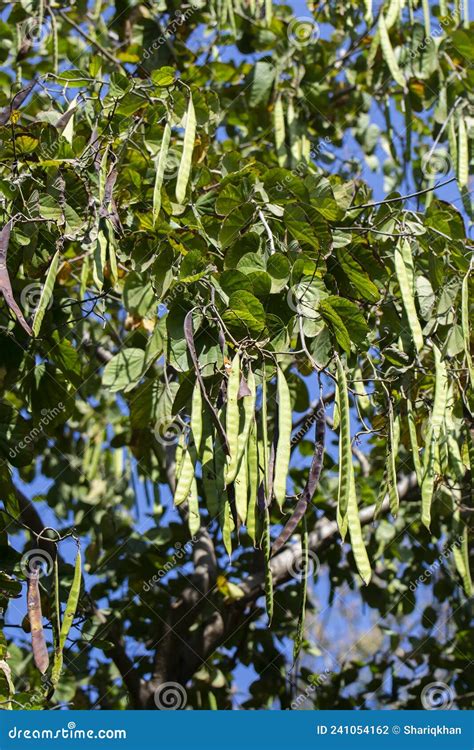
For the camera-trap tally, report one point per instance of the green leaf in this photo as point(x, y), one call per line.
point(124, 370)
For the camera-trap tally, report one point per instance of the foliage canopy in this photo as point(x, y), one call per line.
point(193, 270)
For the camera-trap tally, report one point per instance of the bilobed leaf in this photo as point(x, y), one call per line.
point(334, 320)
point(187, 155)
point(124, 370)
point(46, 293)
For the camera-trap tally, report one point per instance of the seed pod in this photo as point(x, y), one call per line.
point(160, 166)
point(303, 592)
point(437, 416)
point(355, 531)
point(283, 452)
point(187, 155)
point(38, 642)
point(402, 258)
point(233, 418)
point(311, 484)
point(345, 449)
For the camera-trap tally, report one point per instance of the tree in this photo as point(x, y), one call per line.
point(226, 369)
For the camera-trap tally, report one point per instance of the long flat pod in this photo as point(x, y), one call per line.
point(392, 452)
point(186, 476)
point(314, 473)
point(233, 418)
point(5, 284)
point(283, 451)
point(461, 552)
point(279, 125)
point(196, 416)
point(415, 448)
point(35, 616)
point(465, 326)
point(252, 466)
point(402, 255)
point(345, 447)
point(436, 420)
point(303, 592)
point(160, 166)
point(241, 490)
point(212, 469)
point(388, 52)
point(355, 532)
point(463, 154)
point(46, 293)
point(189, 336)
point(187, 155)
point(194, 519)
point(69, 615)
point(249, 414)
point(268, 571)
